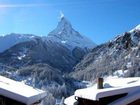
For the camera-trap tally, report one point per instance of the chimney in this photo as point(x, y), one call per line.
point(100, 83)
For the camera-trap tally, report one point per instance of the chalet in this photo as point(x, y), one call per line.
point(17, 93)
point(120, 91)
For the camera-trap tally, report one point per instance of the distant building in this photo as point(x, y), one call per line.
point(17, 93)
point(121, 91)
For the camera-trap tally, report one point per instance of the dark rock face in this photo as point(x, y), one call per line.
point(123, 53)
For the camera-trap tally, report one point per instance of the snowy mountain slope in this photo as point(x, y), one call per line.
point(65, 34)
point(9, 40)
point(43, 65)
point(39, 51)
point(122, 53)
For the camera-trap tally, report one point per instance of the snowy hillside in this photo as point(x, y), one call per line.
point(39, 51)
point(9, 40)
point(122, 53)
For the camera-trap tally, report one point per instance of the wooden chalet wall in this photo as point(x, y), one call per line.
point(137, 102)
point(8, 101)
point(102, 101)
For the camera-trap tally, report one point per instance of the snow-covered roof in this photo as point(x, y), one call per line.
point(19, 91)
point(112, 87)
point(70, 100)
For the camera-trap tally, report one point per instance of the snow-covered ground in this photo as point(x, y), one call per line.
point(120, 73)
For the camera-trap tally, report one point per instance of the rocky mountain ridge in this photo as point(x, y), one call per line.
point(122, 53)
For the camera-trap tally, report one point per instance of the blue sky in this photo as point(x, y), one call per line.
point(100, 20)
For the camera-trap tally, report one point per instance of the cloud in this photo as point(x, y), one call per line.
point(61, 14)
point(21, 5)
point(41, 4)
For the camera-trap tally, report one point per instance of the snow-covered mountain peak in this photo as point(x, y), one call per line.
point(136, 28)
point(64, 27)
point(65, 34)
point(64, 23)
